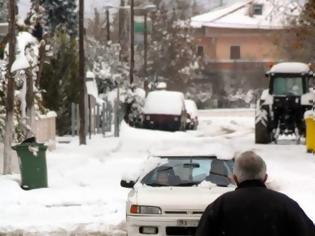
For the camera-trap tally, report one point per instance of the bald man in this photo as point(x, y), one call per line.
point(252, 209)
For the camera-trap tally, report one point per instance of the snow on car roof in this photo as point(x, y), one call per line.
point(290, 67)
point(164, 102)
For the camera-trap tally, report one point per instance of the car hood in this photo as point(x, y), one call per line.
point(178, 198)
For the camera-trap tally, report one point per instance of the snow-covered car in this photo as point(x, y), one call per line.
point(192, 114)
point(164, 110)
point(170, 198)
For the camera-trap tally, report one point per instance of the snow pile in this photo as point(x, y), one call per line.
point(191, 108)
point(167, 143)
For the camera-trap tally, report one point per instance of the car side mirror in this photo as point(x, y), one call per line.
point(127, 184)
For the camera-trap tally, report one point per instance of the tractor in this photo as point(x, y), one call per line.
point(280, 109)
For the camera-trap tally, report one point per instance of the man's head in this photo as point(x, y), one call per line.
point(162, 177)
point(249, 166)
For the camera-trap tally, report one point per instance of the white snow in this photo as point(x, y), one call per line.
point(275, 15)
point(164, 102)
point(290, 67)
point(84, 194)
point(21, 61)
point(191, 108)
point(91, 86)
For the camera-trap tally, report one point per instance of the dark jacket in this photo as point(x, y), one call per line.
point(254, 210)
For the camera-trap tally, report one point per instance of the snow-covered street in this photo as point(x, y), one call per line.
point(84, 194)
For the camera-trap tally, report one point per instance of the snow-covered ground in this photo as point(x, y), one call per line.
point(84, 195)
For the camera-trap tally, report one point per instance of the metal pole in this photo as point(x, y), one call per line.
point(90, 116)
point(145, 44)
point(116, 125)
point(107, 25)
point(132, 23)
point(72, 119)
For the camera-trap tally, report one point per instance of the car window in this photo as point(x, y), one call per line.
point(190, 171)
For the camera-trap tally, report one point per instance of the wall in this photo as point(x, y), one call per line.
point(255, 44)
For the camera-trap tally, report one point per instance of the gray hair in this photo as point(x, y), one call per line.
point(249, 166)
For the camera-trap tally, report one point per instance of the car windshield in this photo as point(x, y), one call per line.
point(189, 172)
point(288, 86)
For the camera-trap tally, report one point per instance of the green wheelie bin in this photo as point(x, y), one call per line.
point(32, 161)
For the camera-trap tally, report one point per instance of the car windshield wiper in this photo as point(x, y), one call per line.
point(188, 184)
point(158, 185)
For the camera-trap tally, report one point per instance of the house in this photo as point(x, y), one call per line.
point(236, 42)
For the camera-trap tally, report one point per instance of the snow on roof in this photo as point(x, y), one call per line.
point(238, 15)
point(290, 67)
point(200, 20)
point(164, 102)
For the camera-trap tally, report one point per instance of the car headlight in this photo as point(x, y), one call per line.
point(136, 209)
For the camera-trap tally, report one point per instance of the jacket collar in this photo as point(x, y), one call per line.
point(251, 183)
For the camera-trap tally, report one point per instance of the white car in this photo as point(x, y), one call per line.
point(170, 198)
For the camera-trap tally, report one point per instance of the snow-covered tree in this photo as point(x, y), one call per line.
point(59, 82)
point(61, 13)
point(172, 52)
point(3, 11)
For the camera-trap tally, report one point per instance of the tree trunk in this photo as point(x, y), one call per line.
point(30, 110)
point(41, 60)
point(9, 127)
point(82, 133)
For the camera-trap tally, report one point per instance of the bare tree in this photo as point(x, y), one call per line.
point(10, 92)
point(82, 136)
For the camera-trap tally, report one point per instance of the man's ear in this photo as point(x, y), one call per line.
point(265, 178)
point(235, 179)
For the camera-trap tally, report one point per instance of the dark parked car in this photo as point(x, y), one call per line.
point(164, 110)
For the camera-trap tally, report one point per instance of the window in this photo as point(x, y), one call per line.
point(235, 52)
point(288, 86)
point(257, 9)
point(200, 51)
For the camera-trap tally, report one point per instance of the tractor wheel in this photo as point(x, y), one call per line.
point(262, 135)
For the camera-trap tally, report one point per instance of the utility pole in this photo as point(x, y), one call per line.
point(132, 59)
point(9, 126)
point(82, 132)
point(107, 25)
point(145, 45)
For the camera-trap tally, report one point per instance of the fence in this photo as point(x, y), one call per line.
point(45, 130)
point(98, 118)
